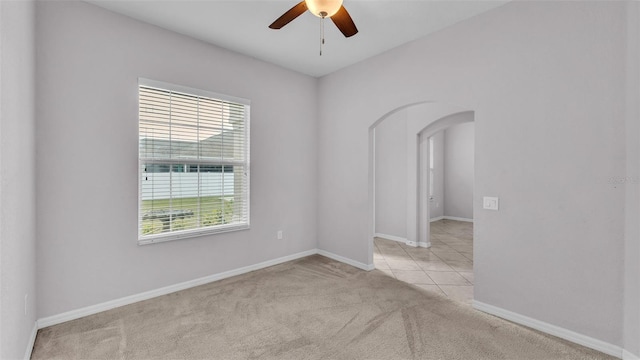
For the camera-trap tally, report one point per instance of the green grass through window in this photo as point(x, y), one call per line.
point(207, 211)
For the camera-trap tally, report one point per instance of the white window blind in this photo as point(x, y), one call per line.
point(194, 162)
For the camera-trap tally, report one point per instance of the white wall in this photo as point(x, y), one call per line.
point(631, 183)
point(391, 176)
point(396, 165)
point(17, 178)
point(458, 171)
point(546, 81)
point(453, 173)
point(89, 61)
point(437, 204)
point(530, 70)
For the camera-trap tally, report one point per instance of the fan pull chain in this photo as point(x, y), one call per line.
point(321, 34)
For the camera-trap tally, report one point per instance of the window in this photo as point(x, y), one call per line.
point(193, 161)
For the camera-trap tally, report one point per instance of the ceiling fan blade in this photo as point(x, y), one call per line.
point(343, 21)
point(291, 14)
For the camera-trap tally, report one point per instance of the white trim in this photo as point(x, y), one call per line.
point(550, 329)
point(402, 240)
point(391, 237)
point(32, 341)
point(627, 355)
point(244, 221)
point(436, 218)
point(94, 309)
point(457, 218)
point(185, 234)
point(347, 261)
point(108, 305)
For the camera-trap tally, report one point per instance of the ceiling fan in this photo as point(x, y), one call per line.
point(323, 9)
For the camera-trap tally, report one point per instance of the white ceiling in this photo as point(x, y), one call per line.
point(242, 26)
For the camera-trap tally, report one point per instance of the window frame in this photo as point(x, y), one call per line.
point(199, 231)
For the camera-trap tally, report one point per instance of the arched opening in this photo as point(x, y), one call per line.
point(424, 179)
point(406, 168)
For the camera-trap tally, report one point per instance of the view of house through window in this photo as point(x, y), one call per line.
point(194, 162)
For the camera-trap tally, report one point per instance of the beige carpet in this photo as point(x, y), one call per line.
point(312, 308)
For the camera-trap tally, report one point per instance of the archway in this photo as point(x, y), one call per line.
point(423, 171)
point(422, 119)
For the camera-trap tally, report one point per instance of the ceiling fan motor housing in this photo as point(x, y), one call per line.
point(323, 8)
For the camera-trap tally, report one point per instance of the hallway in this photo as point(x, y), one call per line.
point(446, 268)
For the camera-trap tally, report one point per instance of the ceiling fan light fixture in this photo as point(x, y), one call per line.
point(323, 8)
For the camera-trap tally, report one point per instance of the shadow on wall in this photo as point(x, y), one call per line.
point(398, 184)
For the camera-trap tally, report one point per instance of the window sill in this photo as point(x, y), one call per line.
point(178, 235)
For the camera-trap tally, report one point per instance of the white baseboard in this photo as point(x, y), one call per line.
point(554, 330)
point(627, 355)
point(94, 309)
point(32, 341)
point(569, 335)
point(418, 244)
point(457, 218)
point(391, 237)
point(402, 240)
point(345, 260)
point(450, 218)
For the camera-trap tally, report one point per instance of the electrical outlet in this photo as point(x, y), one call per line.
point(490, 203)
point(279, 234)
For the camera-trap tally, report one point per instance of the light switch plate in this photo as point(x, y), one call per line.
point(490, 203)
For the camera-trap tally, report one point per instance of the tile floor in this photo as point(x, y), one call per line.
point(446, 268)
